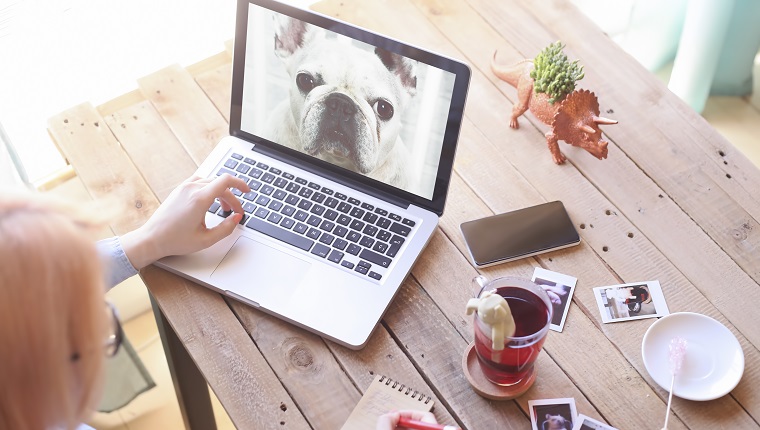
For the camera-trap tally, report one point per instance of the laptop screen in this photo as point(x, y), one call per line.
point(350, 98)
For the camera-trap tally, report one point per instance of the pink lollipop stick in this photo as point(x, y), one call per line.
point(676, 354)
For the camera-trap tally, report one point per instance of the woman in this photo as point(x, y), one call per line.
point(55, 328)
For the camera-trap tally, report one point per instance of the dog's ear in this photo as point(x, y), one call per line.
point(548, 416)
point(403, 67)
point(290, 35)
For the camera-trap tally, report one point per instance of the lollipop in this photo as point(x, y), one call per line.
point(676, 354)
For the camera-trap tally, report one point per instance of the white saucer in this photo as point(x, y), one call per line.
point(714, 360)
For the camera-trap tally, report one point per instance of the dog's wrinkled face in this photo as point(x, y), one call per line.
point(556, 422)
point(346, 101)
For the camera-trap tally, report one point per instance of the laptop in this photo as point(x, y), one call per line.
point(347, 140)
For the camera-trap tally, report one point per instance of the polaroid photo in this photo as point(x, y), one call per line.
point(585, 423)
point(552, 413)
point(560, 289)
point(634, 301)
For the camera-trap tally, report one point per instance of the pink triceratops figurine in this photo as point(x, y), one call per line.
point(573, 116)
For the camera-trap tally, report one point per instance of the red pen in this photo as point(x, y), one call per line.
point(419, 425)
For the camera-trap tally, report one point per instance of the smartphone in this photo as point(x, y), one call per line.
point(519, 234)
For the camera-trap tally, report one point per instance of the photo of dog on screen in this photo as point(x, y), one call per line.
point(345, 103)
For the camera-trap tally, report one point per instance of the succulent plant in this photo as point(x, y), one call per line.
point(554, 74)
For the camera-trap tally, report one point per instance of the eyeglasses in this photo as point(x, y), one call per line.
point(115, 334)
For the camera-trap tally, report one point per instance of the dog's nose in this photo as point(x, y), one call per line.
point(340, 106)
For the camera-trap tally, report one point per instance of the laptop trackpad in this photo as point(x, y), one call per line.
point(259, 272)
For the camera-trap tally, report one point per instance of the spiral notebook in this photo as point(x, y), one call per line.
point(384, 395)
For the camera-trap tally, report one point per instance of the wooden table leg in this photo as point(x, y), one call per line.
point(189, 384)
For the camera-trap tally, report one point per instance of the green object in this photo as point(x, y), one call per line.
point(553, 74)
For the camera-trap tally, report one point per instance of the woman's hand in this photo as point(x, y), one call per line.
point(178, 226)
point(389, 421)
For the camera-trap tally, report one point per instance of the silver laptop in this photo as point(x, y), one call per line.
point(347, 139)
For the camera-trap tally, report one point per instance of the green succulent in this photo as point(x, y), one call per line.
point(553, 74)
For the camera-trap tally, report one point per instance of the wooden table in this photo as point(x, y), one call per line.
point(673, 202)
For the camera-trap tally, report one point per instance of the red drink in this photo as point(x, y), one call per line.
point(531, 311)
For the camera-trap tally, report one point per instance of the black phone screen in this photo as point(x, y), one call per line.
point(521, 233)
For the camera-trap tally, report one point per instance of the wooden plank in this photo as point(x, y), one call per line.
point(104, 167)
point(217, 84)
point(308, 367)
point(191, 116)
point(159, 156)
point(234, 368)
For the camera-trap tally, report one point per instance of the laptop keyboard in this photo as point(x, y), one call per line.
point(342, 229)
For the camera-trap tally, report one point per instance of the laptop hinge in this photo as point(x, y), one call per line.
point(386, 197)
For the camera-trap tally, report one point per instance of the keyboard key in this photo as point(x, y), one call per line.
point(236, 156)
point(335, 256)
point(384, 235)
point(244, 219)
point(301, 228)
point(357, 225)
point(384, 223)
point(302, 181)
point(275, 205)
point(331, 215)
point(347, 264)
point(314, 186)
point(230, 164)
point(331, 202)
point(370, 217)
point(292, 199)
point(305, 192)
point(256, 173)
point(354, 249)
point(368, 206)
point(249, 207)
point(236, 192)
point(394, 217)
point(317, 209)
point(314, 220)
point(243, 168)
point(340, 244)
point(361, 269)
point(380, 247)
point(250, 196)
point(262, 166)
point(301, 216)
point(263, 200)
point(340, 231)
point(214, 207)
point(364, 264)
point(222, 171)
point(250, 161)
point(375, 275)
point(275, 171)
point(327, 191)
point(354, 236)
point(374, 257)
point(293, 187)
point(280, 182)
point(393, 250)
point(279, 194)
point(369, 230)
point(357, 213)
point(344, 220)
point(344, 207)
point(318, 197)
point(267, 189)
point(313, 233)
point(400, 229)
point(340, 196)
point(397, 240)
point(381, 211)
point(268, 178)
point(288, 176)
point(262, 212)
point(224, 214)
point(290, 210)
point(367, 242)
point(287, 223)
point(327, 225)
point(408, 222)
point(274, 218)
point(304, 204)
point(280, 234)
point(327, 239)
point(254, 184)
point(353, 201)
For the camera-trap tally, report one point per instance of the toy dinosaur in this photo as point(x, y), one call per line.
point(572, 114)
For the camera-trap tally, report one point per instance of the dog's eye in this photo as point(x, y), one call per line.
point(384, 109)
point(305, 82)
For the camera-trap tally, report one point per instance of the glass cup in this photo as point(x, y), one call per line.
point(532, 312)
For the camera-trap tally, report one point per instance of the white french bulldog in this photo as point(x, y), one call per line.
point(345, 103)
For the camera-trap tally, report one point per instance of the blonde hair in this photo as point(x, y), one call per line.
point(53, 322)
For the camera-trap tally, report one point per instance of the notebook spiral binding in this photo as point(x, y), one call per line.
point(414, 393)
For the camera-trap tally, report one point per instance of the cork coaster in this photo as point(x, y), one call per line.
point(481, 385)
